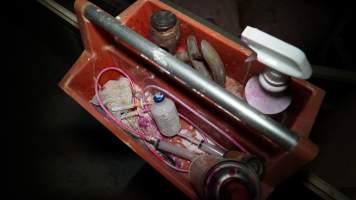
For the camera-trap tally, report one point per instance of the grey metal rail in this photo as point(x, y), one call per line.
point(176, 68)
point(60, 11)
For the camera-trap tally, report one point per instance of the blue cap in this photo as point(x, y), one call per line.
point(158, 97)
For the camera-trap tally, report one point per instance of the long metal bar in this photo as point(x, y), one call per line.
point(322, 188)
point(60, 11)
point(176, 68)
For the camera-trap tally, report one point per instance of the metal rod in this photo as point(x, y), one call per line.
point(176, 68)
point(322, 188)
point(60, 11)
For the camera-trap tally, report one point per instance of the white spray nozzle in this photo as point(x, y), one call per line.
point(277, 54)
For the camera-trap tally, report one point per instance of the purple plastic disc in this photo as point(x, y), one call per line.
point(266, 102)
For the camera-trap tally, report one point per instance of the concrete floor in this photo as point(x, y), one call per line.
point(58, 151)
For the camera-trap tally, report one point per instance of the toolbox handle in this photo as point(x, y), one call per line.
point(198, 83)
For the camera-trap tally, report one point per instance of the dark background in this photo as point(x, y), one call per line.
point(56, 150)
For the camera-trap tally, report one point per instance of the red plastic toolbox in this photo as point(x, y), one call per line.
point(104, 50)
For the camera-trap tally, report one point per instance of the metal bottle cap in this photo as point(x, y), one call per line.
point(163, 20)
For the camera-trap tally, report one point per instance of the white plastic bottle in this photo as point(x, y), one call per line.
point(165, 114)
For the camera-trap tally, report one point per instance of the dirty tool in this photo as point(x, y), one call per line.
point(208, 62)
point(217, 178)
point(195, 57)
point(214, 61)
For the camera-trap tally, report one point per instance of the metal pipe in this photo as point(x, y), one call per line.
point(176, 68)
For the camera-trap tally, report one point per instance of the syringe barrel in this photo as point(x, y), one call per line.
point(176, 150)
